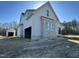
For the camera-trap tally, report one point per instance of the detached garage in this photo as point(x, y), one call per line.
point(10, 32)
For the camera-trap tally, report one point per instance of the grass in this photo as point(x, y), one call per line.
point(71, 36)
point(74, 41)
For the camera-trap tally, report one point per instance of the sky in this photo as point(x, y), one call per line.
point(11, 10)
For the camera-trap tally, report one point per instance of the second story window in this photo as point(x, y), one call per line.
point(47, 12)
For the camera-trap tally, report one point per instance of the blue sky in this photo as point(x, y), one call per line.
point(10, 11)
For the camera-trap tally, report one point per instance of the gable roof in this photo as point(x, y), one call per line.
point(34, 10)
point(51, 8)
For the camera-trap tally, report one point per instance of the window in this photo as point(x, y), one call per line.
point(47, 12)
point(49, 26)
point(46, 25)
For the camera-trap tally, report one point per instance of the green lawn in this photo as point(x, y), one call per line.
point(71, 36)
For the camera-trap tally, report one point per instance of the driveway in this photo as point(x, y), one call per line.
point(43, 48)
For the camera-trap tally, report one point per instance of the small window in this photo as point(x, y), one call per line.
point(47, 25)
point(47, 12)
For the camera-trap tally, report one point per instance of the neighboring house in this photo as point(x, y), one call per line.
point(39, 23)
point(10, 32)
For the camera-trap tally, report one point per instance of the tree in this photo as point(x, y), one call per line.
point(74, 23)
point(71, 27)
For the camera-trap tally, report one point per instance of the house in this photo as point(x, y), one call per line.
point(10, 33)
point(39, 23)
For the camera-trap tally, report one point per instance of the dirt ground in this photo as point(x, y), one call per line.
point(43, 48)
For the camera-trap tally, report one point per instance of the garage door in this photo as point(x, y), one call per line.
point(10, 33)
point(28, 32)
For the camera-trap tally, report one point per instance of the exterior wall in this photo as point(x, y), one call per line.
point(36, 27)
point(20, 27)
point(11, 30)
point(18, 32)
